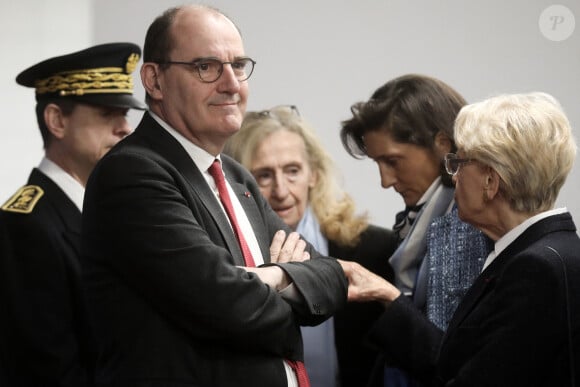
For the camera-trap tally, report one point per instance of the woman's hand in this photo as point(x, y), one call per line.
point(364, 285)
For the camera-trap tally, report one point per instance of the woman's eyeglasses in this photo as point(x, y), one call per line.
point(453, 163)
point(292, 109)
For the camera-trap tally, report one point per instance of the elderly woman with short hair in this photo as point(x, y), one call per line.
point(519, 324)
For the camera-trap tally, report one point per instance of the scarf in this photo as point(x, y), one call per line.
point(320, 356)
point(408, 258)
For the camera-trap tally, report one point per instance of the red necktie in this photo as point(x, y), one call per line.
point(215, 171)
point(300, 371)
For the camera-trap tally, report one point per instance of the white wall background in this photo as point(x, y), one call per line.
point(31, 31)
point(319, 55)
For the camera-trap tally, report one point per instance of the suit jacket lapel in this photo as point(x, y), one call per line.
point(169, 148)
point(68, 212)
point(211, 203)
point(254, 216)
point(480, 287)
point(487, 278)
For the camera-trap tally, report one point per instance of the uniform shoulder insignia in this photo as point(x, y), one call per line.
point(24, 200)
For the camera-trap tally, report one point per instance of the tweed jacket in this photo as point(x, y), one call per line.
point(511, 329)
point(455, 255)
point(45, 339)
point(169, 302)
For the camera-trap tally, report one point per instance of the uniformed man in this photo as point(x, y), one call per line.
point(82, 102)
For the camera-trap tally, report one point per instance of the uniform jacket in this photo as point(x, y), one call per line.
point(510, 329)
point(44, 336)
point(352, 323)
point(169, 305)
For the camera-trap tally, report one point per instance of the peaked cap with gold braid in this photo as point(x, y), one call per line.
point(99, 75)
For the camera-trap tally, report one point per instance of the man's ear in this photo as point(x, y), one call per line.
point(150, 80)
point(442, 144)
point(55, 120)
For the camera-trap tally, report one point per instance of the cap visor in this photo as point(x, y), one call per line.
point(114, 100)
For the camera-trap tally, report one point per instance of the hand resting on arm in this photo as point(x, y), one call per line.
point(282, 250)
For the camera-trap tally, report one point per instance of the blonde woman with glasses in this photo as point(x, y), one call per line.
point(299, 180)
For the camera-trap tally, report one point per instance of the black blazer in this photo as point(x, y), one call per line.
point(352, 323)
point(169, 305)
point(45, 339)
point(510, 329)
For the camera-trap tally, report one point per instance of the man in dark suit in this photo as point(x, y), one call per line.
point(172, 292)
point(82, 99)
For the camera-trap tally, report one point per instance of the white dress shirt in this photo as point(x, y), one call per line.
point(502, 243)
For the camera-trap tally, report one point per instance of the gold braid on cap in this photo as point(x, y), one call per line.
point(91, 81)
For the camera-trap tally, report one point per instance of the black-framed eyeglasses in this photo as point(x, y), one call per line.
point(210, 70)
point(452, 163)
